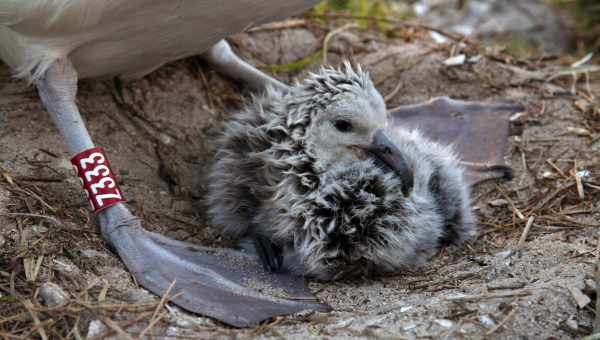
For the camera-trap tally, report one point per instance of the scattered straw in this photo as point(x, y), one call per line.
point(40, 329)
point(597, 281)
point(477, 297)
point(115, 327)
point(103, 292)
point(164, 299)
point(32, 268)
point(37, 197)
point(502, 323)
point(125, 325)
point(578, 182)
point(525, 232)
point(49, 218)
point(152, 323)
point(512, 204)
point(556, 168)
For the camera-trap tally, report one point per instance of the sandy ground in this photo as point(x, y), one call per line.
point(487, 289)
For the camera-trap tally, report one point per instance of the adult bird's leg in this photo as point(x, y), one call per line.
point(57, 89)
point(223, 60)
point(210, 281)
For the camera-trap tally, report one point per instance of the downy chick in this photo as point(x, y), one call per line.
point(327, 190)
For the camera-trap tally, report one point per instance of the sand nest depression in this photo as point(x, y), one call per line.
point(58, 278)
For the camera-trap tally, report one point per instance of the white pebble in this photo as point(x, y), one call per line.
point(53, 295)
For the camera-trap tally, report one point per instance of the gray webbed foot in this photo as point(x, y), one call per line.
point(220, 283)
point(478, 131)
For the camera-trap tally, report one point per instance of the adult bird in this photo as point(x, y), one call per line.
point(53, 43)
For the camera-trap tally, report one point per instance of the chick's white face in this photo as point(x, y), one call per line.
point(349, 120)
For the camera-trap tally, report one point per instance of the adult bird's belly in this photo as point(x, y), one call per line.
point(125, 37)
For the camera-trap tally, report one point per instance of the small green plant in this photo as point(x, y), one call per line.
point(589, 12)
point(516, 45)
point(294, 65)
point(361, 10)
point(586, 14)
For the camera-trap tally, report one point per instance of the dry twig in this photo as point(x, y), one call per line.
point(477, 297)
point(597, 281)
point(502, 323)
point(115, 327)
point(525, 232)
point(40, 329)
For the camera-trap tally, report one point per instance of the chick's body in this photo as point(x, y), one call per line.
point(338, 217)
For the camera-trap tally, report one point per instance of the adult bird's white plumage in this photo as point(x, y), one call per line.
point(123, 37)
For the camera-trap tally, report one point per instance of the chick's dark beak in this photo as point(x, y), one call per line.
point(383, 149)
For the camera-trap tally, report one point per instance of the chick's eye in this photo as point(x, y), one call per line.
point(342, 125)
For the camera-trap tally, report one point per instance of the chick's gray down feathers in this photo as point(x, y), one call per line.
point(333, 220)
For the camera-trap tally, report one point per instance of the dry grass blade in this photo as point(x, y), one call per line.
point(578, 182)
point(597, 281)
point(525, 232)
point(50, 218)
point(571, 71)
point(280, 25)
point(152, 323)
point(522, 75)
point(502, 323)
point(32, 268)
point(36, 321)
point(6, 175)
point(331, 34)
point(580, 298)
point(38, 198)
point(550, 197)
point(156, 316)
point(103, 292)
point(556, 168)
point(11, 336)
point(121, 307)
point(75, 330)
point(113, 325)
point(164, 299)
point(478, 297)
point(512, 204)
point(126, 324)
point(394, 92)
point(267, 326)
point(19, 316)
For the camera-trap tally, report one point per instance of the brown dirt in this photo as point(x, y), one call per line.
point(473, 292)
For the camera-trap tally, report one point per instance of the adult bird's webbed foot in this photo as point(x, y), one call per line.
point(220, 283)
point(478, 131)
point(269, 253)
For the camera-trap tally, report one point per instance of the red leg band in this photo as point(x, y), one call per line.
point(97, 178)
